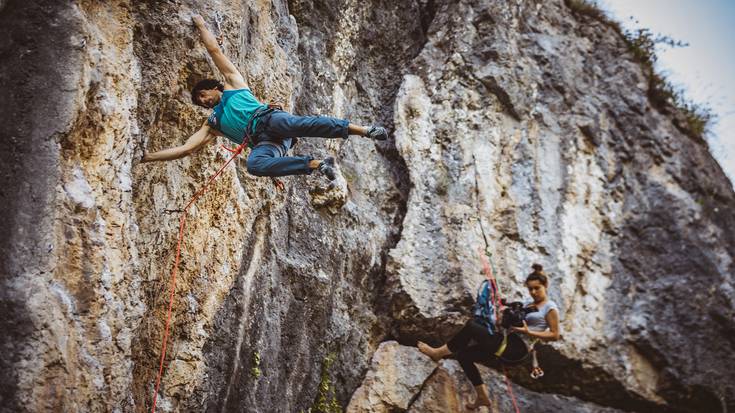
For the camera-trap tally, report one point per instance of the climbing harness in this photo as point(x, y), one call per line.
point(259, 114)
point(214, 120)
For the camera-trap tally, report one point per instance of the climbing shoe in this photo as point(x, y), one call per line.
point(378, 133)
point(327, 168)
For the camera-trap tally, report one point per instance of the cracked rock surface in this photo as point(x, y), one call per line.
point(518, 128)
point(403, 379)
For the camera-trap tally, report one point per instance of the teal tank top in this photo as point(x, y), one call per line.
point(233, 112)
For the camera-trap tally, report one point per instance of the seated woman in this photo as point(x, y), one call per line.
point(482, 329)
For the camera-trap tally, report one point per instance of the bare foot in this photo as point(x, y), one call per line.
point(429, 351)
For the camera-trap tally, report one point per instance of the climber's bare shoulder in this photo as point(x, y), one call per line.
point(233, 78)
point(235, 81)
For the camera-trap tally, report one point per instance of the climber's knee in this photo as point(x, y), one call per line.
point(256, 169)
point(257, 165)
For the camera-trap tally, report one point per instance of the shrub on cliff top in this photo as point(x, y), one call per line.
point(697, 118)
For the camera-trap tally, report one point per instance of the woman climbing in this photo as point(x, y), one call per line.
point(238, 115)
point(542, 324)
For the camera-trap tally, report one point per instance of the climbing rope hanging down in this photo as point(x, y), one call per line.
point(489, 268)
point(182, 221)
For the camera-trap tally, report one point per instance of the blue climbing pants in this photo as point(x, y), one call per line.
point(275, 133)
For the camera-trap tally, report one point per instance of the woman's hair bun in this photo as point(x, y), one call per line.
point(538, 274)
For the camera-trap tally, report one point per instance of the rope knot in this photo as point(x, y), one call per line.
point(237, 150)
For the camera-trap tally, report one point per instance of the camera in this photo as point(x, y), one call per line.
point(514, 313)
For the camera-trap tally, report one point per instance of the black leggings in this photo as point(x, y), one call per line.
point(483, 351)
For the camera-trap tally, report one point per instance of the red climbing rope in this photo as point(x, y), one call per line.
point(487, 268)
point(510, 391)
point(182, 221)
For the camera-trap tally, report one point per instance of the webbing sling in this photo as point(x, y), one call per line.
point(502, 347)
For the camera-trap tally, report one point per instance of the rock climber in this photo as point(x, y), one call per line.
point(542, 324)
point(237, 113)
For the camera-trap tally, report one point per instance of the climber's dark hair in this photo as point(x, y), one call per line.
point(205, 84)
point(538, 274)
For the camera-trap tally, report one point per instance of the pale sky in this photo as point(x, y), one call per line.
point(705, 68)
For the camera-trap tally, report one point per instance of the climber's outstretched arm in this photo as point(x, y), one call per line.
point(195, 142)
point(233, 78)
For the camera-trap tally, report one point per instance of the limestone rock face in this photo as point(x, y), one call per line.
point(401, 379)
point(517, 128)
point(395, 377)
point(527, 133)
